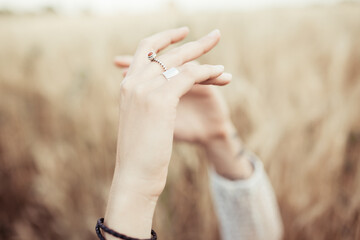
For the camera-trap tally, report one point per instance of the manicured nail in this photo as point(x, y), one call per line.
point(227, 76)
point(183, 28)
point(220, 67)
point(214, 33)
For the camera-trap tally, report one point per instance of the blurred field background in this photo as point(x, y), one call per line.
point(295, 100)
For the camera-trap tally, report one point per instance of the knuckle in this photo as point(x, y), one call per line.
point(125, 88)
point(188, 69)
point(139, 91)
point(205, 48)
point(128, 89)
point(180, 59)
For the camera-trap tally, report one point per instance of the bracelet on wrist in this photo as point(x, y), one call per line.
point(100, 226)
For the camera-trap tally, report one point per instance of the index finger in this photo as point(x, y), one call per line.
point(191, 50)
point(156, 43)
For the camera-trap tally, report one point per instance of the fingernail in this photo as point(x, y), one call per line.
point(227, 76)
point(214, 33)
point(220, 67)
point(184, 28)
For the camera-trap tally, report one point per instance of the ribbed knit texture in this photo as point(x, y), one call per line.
point(246, 209)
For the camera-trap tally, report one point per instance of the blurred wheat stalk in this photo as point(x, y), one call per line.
point(295, 100)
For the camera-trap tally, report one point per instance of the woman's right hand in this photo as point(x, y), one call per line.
point(147, 119)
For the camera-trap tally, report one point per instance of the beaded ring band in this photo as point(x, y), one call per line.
point(152, 58)
point(168, 73)
point(100, 225)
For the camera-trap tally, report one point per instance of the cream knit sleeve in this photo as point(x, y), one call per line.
point(246, 209)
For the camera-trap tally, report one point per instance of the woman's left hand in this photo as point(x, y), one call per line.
point(202, 113)
point(203, 117)
point(148, 109)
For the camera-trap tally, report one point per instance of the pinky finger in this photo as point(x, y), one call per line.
point(221, 80)
point(189, 75)
point(123, 61)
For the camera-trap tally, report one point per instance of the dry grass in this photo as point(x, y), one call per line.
point(295, 100)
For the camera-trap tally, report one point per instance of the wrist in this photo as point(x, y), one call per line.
point(224, 153)
point(141, 180)
point(129, 211)
point(224, 133)
point(224, 137)
point(135, 182)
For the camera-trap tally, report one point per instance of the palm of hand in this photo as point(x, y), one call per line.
point(201, 114)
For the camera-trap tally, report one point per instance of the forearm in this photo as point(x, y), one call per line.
point(225, 153)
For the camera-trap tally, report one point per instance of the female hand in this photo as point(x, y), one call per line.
point(203, 117)
point(146, 126)
point(202, 113)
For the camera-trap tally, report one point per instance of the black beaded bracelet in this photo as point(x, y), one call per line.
point(100, 225)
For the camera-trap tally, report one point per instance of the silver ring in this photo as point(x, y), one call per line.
point(152, 57)
point(172, 72)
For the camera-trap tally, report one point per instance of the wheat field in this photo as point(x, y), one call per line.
point(295, 100)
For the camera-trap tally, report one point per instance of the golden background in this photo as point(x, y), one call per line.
point(295, 100)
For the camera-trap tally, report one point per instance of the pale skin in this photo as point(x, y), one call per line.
point(153, 112)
